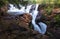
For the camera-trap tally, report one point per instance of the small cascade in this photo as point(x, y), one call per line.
point(41, 28)
point(34, 15)
point(32, 9)
point(28, 7)
point(15, 11)
point(11, 7)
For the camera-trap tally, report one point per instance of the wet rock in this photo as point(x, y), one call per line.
point(25, 20)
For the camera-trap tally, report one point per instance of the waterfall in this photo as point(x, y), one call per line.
point(32, 9)
point(34, 15)
point(43, 26)
point(15, 11)
point(28, 8)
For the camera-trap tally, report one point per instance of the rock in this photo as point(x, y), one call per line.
point(22, 21)
point(25, 20)
point(13, 26)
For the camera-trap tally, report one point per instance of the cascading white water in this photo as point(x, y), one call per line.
point(43, 26)
point(34, 15)
point(28, 8)
point(15, 11)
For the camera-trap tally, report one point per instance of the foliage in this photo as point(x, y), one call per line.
point(14, 1)
point(57, 18)
point(3, 2)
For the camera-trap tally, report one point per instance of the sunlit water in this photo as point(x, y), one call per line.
point(29, 9)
